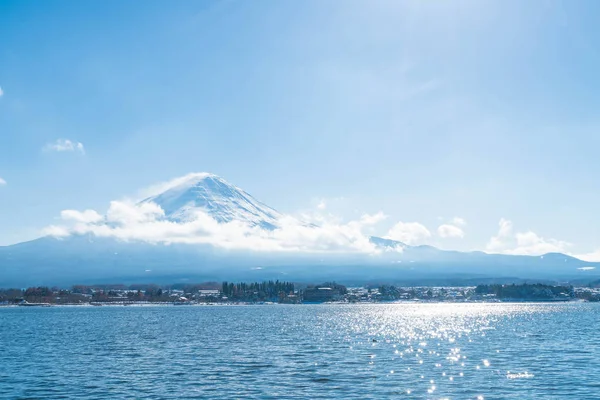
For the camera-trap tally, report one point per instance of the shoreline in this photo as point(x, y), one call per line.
point(46, 305)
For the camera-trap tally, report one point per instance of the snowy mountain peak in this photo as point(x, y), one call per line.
point(183, 197)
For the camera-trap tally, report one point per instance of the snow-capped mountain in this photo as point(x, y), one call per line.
point(218, 198)
point(86, 257)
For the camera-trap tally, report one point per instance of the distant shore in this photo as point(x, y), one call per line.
point(233, 304)
point(276, 292)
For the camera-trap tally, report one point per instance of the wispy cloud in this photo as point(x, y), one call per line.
point(409, 232)
point(453, 229)
point(450, 231)
point(373, 219)
point(594, 256)
point(86, 217)
point(170, 184)
point(2, 182)
point(507, 241)
point(62, 145)
point(1, 92)
point(329, 203)
point(458, 221)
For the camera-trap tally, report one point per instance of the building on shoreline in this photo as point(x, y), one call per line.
point(321, 295)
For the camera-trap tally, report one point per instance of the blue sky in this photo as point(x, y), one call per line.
point(426, 111)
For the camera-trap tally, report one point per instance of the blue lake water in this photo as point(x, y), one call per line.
point(379, 351)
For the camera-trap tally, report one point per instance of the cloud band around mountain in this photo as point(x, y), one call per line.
point(146, 222)
point(319, 232)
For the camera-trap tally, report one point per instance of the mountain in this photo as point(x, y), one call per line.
point(221, 200)
point(86, 258)
point(388, 244)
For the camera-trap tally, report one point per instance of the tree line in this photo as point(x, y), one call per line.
point(536, 291)
point(257, 291)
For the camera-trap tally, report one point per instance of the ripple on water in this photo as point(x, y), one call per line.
point(420, 351)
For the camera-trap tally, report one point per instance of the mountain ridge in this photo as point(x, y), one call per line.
point(86, 257)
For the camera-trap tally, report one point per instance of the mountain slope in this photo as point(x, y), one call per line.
point(90, 259)
point(218, 198)
point(387, 244)
point(87, 260)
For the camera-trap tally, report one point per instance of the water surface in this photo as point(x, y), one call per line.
point(407, 351)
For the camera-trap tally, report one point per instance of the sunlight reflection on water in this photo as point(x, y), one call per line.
point(420, 351)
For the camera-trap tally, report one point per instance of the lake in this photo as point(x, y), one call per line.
point(371, 351)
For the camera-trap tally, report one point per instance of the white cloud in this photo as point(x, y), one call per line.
point(523, 243)
point(65, 145)
point(458, 221)
point(2, 182)
point(506, 227)
point(146, 222)
point(124, 213)
point(532, 244)
point(87, 216)
point(322, 205)
point(56, 231)
point(372, 219)
point(594, 256)
point(1, 92)
point(450, 231)
point(408, 232)
point(498, 243)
